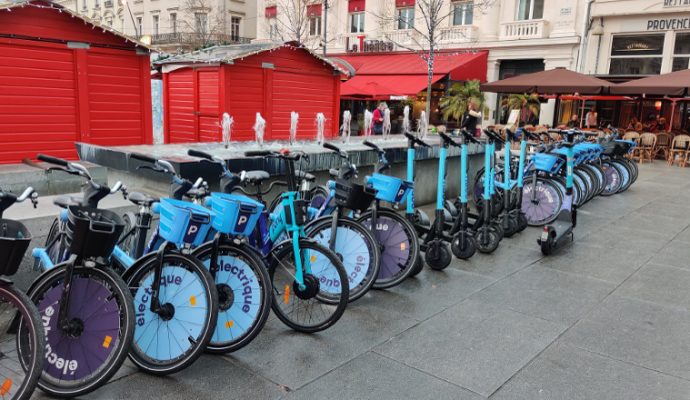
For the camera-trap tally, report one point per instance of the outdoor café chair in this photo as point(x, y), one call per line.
point(646, 147)
point(679, 150)
point(663, 144)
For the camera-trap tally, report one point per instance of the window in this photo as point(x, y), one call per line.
point(173, 22)
point(315, 26)
point(96, 4)
point(530, 9)
point(406, 18)
point(463, 13)
point(235, 28)
point(273, 29)
point(201, 22)
point(636, 54)
point(156, 19)
point(139, 26)
point(109, 21)
point(681, 52)
point(357, 22)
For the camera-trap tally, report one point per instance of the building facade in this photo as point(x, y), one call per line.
point(175, 24)
point(522, 36)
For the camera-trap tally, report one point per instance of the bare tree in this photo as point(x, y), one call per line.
point(203, 26)
point(426, 30)
point(293, 23)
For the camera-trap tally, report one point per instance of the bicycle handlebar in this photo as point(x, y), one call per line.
point(143, 158)
point(53, 160)
point(199, 154)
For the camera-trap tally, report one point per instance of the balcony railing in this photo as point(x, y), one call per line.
point(458, 33)
point(196, 38)
point(532, 29)
point(405, 37)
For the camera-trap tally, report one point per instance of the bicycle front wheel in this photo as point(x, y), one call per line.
point(398, 243)
point(244, 295)
point(89, 346)
point(355, 247)
point(541, 201)
point(320, 302)
point(173, 337)
point(22, 342)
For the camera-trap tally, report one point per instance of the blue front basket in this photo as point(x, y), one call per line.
point(546, 162)
point(183, 222)
point(235, 214)
point(389, 188)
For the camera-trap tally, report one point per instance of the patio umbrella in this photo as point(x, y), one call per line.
point(671, 84)
point(553, 81)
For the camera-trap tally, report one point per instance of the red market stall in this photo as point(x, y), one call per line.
point(242, 80)
point(67, 79)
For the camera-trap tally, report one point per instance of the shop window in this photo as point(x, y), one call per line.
point(463, 13)
point(357, 22)
point(273, 32)
point(530, 9)
point(405, 18)
point(636, 54)
point(315, 25)
point(140, 25)
point(681, 52)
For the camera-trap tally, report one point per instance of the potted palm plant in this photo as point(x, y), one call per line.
point(528, 104)
point(457, 100)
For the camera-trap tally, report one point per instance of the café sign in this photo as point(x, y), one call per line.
point(668, 24)
point(676, 3)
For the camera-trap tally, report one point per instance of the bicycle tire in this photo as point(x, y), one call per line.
point(626, 175)
point(110, 293)
point(399, 248)
point(195, 294)
point(547, 193)
point(613, 180)
point(26, 330)
point(628, 165)
point(285, 292)
point(363, 258)
point(241, 321)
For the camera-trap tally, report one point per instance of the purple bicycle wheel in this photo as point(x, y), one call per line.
point(613, 180)
point(541, 202)
point(399, 247)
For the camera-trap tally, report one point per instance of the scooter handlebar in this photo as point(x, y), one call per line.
point(199, 154)
point(52, 160)
point(448, 140)
point(373, 146)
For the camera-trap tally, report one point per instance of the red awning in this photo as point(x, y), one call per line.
point(382, 87)
point(404, 3)
point(314, 10)
point(271, 12)
point(356, 5)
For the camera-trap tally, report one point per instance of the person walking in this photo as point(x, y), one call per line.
point(377, 123)
point(591, 118)
point(471, 118)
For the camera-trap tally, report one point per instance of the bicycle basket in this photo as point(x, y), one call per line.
point(234, 214)
point(301, 212)
point(14, 241)
point(92, 232)
point(353, 196)
point(184, 223)
point(389, 188)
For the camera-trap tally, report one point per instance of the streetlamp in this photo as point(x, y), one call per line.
point(136, 31)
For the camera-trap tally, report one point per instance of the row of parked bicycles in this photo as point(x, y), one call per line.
point(200, 270)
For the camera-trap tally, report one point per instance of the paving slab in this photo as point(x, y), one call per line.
point(659, 284)
point(507, 259)
point(565, 372)
point(642, 333)
point(624, 239)
point(675, 253)
point(372, 376)
point(473, 345)
point(546, 293)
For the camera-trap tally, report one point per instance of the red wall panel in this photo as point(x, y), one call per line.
point(180, 106)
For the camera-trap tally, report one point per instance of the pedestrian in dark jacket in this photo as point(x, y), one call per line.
point(471, 118)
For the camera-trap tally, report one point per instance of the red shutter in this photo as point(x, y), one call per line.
point(314, 10)
point(404, 3)
point(356, 5)
point(271, 12)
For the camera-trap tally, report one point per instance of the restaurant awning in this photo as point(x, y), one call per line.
point(380, 76)
point(553, 81)
point(671, 84)
point(382, 87)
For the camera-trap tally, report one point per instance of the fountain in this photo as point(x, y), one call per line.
point(259, 128)
point(422, 126)
point(320, 127)
point(345, 128)
point(226, 127)
point(294, 118)
point(406, 120)
point(387, 123)
point(368, 119)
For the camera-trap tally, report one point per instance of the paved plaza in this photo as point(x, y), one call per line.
point(607, 318)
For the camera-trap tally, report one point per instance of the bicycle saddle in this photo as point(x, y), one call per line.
point(333, 172)
point(67, 200)
point(256, 177)
point(305, 176)
point(142, 199)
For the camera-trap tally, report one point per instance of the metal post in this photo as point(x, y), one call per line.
point(136, 31)
point(325, 26)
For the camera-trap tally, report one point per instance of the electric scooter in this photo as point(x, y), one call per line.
point(409, 209)
point(508, 223)
point(555, 235)
point(463, 244)
point(437, 253)
point(487, 233)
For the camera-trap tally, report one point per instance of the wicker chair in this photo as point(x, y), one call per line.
point(663, 145)
point(635, 137)
point(646, 147)
point(679, 150)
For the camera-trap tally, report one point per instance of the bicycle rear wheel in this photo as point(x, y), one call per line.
point(22, 343)
point(398, 243)
point(244, 295)
point(541, 201)
point(355, 246)
point(172, 339)
point(87, 351)
point(322, 301)
point(613, 179)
